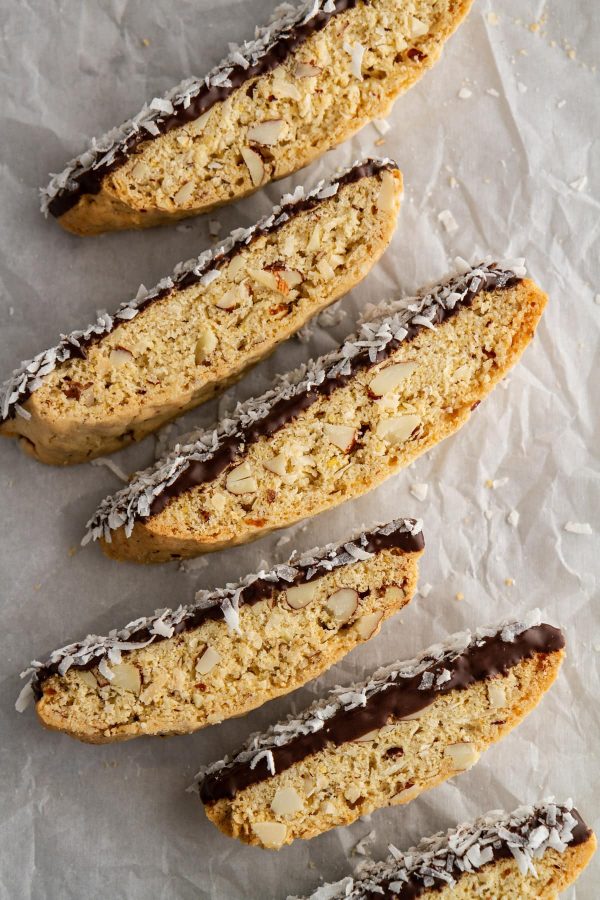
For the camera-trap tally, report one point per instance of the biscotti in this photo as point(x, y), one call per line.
point(305, 84)
point(381, 742)
point(200, 329)
point(336, 428)
point(532, 853)
point(235, 648)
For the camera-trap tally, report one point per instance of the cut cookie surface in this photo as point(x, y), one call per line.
point(235, 648)
point(306, 83)
point(381, 742)
point(532, 853)
point(199, 330)
point(334, 429)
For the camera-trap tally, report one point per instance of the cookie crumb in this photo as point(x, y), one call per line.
point(578, 527)
point(419, 490)
point(448, 221)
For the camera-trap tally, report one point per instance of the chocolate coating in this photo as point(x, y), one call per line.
point(493, 657)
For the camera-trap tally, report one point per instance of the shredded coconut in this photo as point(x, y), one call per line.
point(438, 861)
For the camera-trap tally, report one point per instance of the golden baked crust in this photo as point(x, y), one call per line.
point(360, 776)
point(201, 165)
point(191, 344)
point(456, 366)
point(160, 689)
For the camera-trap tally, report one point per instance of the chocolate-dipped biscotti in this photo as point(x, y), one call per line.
point(335, 428)
point(408, 727)
point(200, 329)
point(304, 84)
point(235, 648)
point(532, 853)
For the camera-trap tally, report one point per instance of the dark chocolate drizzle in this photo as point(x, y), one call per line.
point(261, 589)
point(286, 410)
point(90, 180)
point(481, 661)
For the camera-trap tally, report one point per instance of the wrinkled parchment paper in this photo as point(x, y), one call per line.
point(512, 158)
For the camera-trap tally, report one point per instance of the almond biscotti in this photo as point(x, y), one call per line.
point(232, 650)
point(200, 329)
point(532, 853)
point(381, 742)
point(336, 428)
point(306, 83)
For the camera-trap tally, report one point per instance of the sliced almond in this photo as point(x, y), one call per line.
point(88, 678)
point(368, 625)
point(417, 27)
point(270, 834)
point(184, 193)
point(283, 88)
point(325, 269)
point(199, 124)
point(306, 70)
point(286, 802)
point(126, 678)
point(87, 397)
point(119, 356)
point(309, 785)
point(391, 377)
point(342, 436)
point(207, 661)
point(397, 430)
point(496, 695)
point(292, 276)
point(205, 345)
point(462, 756)
point(343, 604)
point(140, 171)
point(255, 165)
point(386, 201)
point(277, 464)
point(233, 297)
point(407, 794)
point(241, 480)
point(394, 594)
point(236, 264)
point(267, 279)
point(327, 808)
point(300, 595)
point(352, 793)
point(267, 133)
point(315, 239)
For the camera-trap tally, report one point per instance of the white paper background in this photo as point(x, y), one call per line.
point(98, 822)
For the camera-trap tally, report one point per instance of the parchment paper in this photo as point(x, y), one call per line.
point(514, 158)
